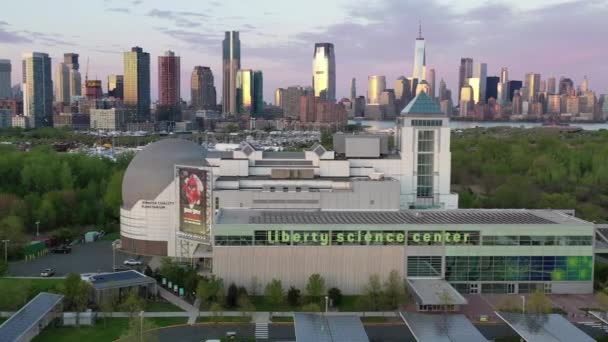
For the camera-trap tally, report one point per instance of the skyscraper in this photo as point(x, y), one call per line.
point(203, 88)
point(375, 86)
point(75, 80)
point(403, 93)
point(432, 83)
point(137, 81)
point(584, 85)
point(231, 64)
point(291, 101)
point(475, 85)
point(492, 87)
point(37, 89)
point(93, 89)
point(278, 97)
point(465, 71)
point(442, 90)
point(532, 84)
point(466, 100)
point(249, 92)
point(551, 84)
point(353, 89)
point(5, 79)
point(419, 70)
point(566, 86)
point(512, 87)
point(169, 80)
point(504, 75)
point(481, 72)
point(324, 71)
point(116, 85)
point(62, 83)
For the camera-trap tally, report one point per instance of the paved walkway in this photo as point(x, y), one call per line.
point(190, 309)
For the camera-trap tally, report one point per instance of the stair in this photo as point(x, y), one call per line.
point(261, 331)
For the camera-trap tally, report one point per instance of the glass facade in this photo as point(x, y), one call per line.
point(519, 268)
point(527, 240)
point(427, 123)
point(424, 266)
point(425, 167)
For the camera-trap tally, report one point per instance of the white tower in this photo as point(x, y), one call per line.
point(419, 71)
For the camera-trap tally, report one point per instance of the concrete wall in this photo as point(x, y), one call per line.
point(345, 267)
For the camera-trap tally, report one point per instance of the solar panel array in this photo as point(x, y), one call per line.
point(27, 316)
point(401, 217)
point(544, 328)
point(283, 163)
point(320, 328)
point(442, 328)
point(120, 279)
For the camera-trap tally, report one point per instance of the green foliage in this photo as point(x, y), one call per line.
point(137, 331)
point(311, 307)
point(76, 291)
point(210, 290)
point(600, 276)
point(231, 296)
point(216, 309)
point(372, 296)
point(327, 140)
point(538, 303)
point(532, 168)
point(274, 293)
point(244, 303)
point(133, 303)
point(335, 295)
point(315, 288)
point(293, 296)
point(394, 290)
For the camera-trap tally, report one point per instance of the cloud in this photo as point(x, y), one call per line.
point(9, 37)
point(181, 19)
point(118, 10)
point(198, 40)
point(136, 2)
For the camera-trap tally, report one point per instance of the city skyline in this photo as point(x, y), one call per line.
point(364, 36)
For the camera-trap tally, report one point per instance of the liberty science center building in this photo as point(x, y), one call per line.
point(359, 210)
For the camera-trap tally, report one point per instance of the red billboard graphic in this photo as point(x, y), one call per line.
point(193, 200)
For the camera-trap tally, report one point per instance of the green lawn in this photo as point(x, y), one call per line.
point(282, 319)
point(100, 332)
point(111, 236)
point(162, 307)
point(237, 319)
point(16, 292)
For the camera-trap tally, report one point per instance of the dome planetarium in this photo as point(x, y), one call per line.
point(154, 208)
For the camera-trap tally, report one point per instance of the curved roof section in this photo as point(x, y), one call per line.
point(422, 104)
point(152, 169)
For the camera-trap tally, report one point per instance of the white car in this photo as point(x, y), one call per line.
point(49, 272)
point(132, 262)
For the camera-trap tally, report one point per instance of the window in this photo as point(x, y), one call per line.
point(424, 266)
point(426, 123)
point(298, 189)
point(285, 189)
point(425, 163)
point(531, 240)
point(233, 240)
point(217, 203)
point(272, 189)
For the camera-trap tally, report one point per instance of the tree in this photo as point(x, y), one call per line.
point(132, 304)
point(254, 286)
point(510, 304)
point(216, 309)
point(210, 290)
point(107, 306)
point(372, 296)
point(231, 296)
point(315, 287)
point(293, 297)
point(394, 290)
point(112, 198)
point(136, 332)
point(245, 304)
point(274, 293)
point(539, 303)
point(335, 295)
point(311, 307)
point(76, 292)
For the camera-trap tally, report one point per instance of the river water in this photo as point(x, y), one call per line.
point(385, 125)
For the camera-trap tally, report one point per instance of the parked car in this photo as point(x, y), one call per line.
point(48, 272)
point(63, 249)
point(132, 262)
point(231, 335)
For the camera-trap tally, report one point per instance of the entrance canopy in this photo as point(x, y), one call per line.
point(333, 328)
point(435, 292)
point(441, 328)
point(544, 328)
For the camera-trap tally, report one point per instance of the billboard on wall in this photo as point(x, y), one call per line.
point(193, 201)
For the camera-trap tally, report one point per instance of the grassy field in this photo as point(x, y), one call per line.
point(162, 307)
point(16, 292)
point(100, 332)
point(236, 319)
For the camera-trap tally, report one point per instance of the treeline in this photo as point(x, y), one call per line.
point(532, 168)
point(48, 136)
point(59, 190)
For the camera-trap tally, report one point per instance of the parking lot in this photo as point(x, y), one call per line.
point(85, 258)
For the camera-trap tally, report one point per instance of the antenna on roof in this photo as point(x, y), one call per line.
point(420, 29)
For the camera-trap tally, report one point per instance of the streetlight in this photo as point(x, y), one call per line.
point(326, 304)
point(113, 256)
point(523, 305)
point(6, 250)
point(37, 228)
point(141, 325)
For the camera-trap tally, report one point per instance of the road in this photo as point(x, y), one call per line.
point(86, 258)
